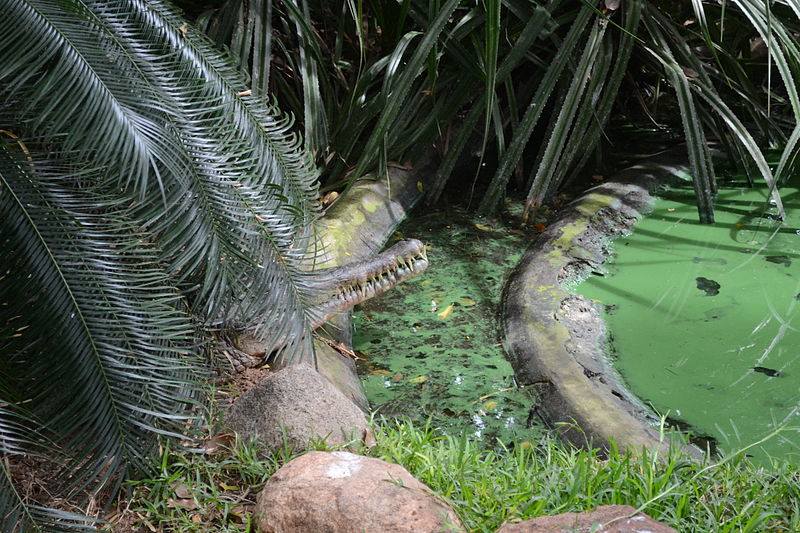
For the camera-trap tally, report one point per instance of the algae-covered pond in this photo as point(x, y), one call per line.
point(431, 346)
point(705, 319)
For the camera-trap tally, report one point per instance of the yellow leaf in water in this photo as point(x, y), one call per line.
point(435, 293)
point(483, 227)
point(739, 225)
point(378, 371)
point(467, 301)
point(418, 379)
point(488, 406)
point(446, 313)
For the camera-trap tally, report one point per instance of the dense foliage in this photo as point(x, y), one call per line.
point(535, 88)
point(149, 191)
point(143, 194)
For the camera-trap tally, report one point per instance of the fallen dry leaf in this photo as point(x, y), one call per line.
point(184, 503)
point(182, 491)
point(489, 405)
point(217, 443)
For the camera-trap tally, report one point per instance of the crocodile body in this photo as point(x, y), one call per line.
point(343, 287)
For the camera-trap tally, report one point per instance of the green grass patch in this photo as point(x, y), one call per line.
point(203, 492)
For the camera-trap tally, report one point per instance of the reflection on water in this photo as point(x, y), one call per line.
point(431, 345)
point(705, 320)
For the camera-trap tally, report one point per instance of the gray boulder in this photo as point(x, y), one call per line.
point(294, 406)
point(341, 492)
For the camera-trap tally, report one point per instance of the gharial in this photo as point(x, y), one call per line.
point(343, 287)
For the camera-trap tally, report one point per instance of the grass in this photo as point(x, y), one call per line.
point(205, 491)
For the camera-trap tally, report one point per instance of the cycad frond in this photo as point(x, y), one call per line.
point(216, 177)
point(97, 358)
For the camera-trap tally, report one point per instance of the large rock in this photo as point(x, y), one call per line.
point(611, 518)
point(295, 406)
point(340, 492)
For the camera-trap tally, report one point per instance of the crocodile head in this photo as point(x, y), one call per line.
point(353, 283)
point(341, 288)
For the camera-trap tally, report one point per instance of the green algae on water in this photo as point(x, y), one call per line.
point(705, 319)
point(432, 345)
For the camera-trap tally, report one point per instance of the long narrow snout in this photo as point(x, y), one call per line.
point(354, 283)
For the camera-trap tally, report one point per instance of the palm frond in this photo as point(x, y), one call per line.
point(97, 355)
point(316, 120)
point(217, 177)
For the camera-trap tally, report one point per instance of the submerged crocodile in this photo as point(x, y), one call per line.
point(343, 287)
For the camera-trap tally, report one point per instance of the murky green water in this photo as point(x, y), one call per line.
point(706, 319)
point(432, 345)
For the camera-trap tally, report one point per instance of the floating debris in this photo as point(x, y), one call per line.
point(779, 259)
point(709, 286)
point(446, 312)
point(771, 372)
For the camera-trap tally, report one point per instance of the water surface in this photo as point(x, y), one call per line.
point(705, 320)
point(431, 345)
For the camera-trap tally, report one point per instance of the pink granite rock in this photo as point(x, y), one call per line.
point(340, 492)
point(610, 518)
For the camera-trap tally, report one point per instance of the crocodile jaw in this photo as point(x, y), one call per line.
point(345, 286)
point(355, 283)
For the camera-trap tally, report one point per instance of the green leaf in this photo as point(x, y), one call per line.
point(398, 92)
point(534, 110)
point(125, 368)
point(570, 107)
point(699, 156)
